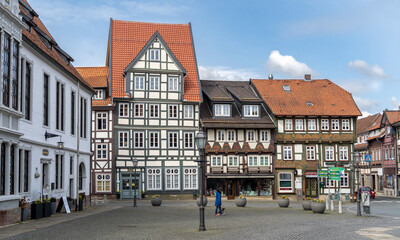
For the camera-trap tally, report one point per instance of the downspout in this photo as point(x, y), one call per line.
point(77, 148)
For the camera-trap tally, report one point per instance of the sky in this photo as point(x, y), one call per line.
point(355, 44)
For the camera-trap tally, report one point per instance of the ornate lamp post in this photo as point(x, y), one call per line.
point(135, 163)
point(357, 163)
point(201, 143)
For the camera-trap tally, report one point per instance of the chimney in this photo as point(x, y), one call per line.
point(270, 76)
point(307, 77)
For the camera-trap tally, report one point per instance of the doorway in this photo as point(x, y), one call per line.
point(311, 187)
point(131, 185)
point(231, 189)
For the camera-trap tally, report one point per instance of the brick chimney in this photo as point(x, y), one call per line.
point(307, 77)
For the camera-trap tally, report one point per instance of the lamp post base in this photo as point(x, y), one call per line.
point(202, 226)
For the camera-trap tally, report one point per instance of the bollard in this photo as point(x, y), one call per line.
point(332, 206)
point(340, 206)
point(95, 201)
point(104, 198)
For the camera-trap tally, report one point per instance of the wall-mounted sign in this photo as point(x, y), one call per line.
point(45, 152)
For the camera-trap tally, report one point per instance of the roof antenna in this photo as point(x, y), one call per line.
point(270, 76)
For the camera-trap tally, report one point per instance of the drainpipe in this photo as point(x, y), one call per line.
point(77, 149)
point(396, 192)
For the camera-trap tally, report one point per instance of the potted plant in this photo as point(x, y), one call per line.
point(46, 208)
point(69, 200)
point(307, 204)
point(143, 194)
point(283, 202)
point(53, 202)
point(81, 198)
point(156, 200)
point(37, 209)
point(318, 206)
point(241, 201)
point(24, 209)
point(118, 194)
point(205, 201)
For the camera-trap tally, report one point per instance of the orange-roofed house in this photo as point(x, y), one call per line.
point(316, 126)
point(102, 122)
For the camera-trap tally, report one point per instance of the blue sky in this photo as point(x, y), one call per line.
point(356, 44)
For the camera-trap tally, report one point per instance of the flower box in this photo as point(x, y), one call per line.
point(156, 201)
point(318, 207)
point(36, 210)
point(241, 202)
point(306, 205)
point(283, 202)
point(46, 209)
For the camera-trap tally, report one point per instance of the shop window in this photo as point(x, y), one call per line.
point(285, 182)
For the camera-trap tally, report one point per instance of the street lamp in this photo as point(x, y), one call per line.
point(357, 162)
point(201, 144)
point(135, 163)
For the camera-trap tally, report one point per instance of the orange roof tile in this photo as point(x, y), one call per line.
point(101, 103)
point(326, 98)
point(95, 76)
point(393, 116)
point(377, 123)
point(128, 39)
point(364, 124)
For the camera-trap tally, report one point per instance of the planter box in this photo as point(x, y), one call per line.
point(306, 205)
point(318, 207)
point(205, 201)
point(46, 209)
point(53, 207)
point(24, 214)
point(37, 211)
point(156, 202)
point(241, 202)
point(283, 203)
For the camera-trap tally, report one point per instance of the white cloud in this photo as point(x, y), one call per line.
point(356, 86)
point(225, 73)
point(367, 70)
point(365, 114)
point(367, 105)
point(286, 65)
point(396, 103)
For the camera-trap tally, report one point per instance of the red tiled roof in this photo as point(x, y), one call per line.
point(326, 98)
point(95, 76)
point(376, 124)
point(364, 124)
point(53, 53)
point(129, 38)
point(393, 116)
point(101, 103)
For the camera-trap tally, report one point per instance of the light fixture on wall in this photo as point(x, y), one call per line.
point(60, 144)
point(37, 174)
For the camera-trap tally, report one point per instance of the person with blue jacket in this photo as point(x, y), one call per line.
point(218, 203)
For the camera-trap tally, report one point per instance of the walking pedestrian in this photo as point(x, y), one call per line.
point(218, 203)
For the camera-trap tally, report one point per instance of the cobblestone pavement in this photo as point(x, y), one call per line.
point(180, 220)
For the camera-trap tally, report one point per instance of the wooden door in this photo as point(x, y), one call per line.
point(311, 187)
point(231, 191)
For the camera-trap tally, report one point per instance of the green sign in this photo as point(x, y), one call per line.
point(323, 171)
point(335, 178)
point(322, 175)
point(337, 169)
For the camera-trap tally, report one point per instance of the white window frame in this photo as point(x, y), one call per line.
point(335, 125)
point(264, 161)
point(154, 139)
point(288, 153)
point(138, 140)
point(172, 178)
point(281, 190)
point(344, 180)
point(216, 161)
point(251, 110)
point(125, 134)
point(190, 178)
point(264, 135)
point(346, 124)
point(104, 181)
point(253, 161)
point(222, 110)
point(124, 109)
point(233, 161)
point(324, 124)
point(188, 136)
point(173, 111)
point(99, 93)
point(188, 111)
point(343, 153)
point(330, 183)
point(329, 153)
point(220, 135)
point(231, 135)
point(288, 124)
point(103, 117)
point(154, 111)
point(299, 124)
point(154, 83)
point(310, 153)
point(137, 107)
point(175, 143)
point(101, 148)
point(312, 125)
point(173, 84)
point(154, 179)
point(250, 135)
point(139, 82)
point(155, 54)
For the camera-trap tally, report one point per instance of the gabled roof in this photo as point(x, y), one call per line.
point(226, 90)
point(376, 124)
point(129, 38)
point(364, 124)
point(36, 37)
point(306, 98)
point(97, 77)
point(392, 116)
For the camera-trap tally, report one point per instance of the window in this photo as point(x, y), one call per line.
point(310, 152)
point(103, 183)
point(26, 171)
point(344, 180)
point(123, 109)
point(139, 110)
point(154, 83)
point(231, 135)
point(99, 94)
point(188, 111)
point(329, 154)
point(102, 121)
point(59, 171)
point(286, 88)
point(153, 179)
point(253, 161)
point(222, 110)
point(173, 84)
point(27, 91)
point(45, 100)
point(154, 110)
point(154, 54)
point(221, 135)
point(101, 151)
point(139, 82)
point(311, 125)
point(233, 161)
point(389, 181)
point(3, 169)
point(330, 183)
point(287, 153)
point(60, 106)
point(285, 182)
point(154, 139)
point(138, 139)
point(288, 124)
point(264, 161)
point(123, 139)
point(14, 75)
point(251, 110)
point(264, 135)
point(324, 124)
point(190, 178)
point(172, 178)
point(250, 135)
point(83, 118)
point(71, 165)
point(12, 168)
point(6, 69)
point(344, 153)
point(172, 111)
point(335, 124)
point(216, 161)
point(299, 125)
point(189, 139)
point(72, 112)
point(173, 139)
point(345, 124)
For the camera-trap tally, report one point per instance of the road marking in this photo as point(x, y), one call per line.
point(377, 233)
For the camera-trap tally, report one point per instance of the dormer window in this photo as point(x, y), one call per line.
point(154, 54)
point(99, 94)
point(222, 110)
point(251, 110)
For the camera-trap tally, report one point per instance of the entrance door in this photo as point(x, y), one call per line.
point(311, 187)
point(129, 184)
point(231, 191)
